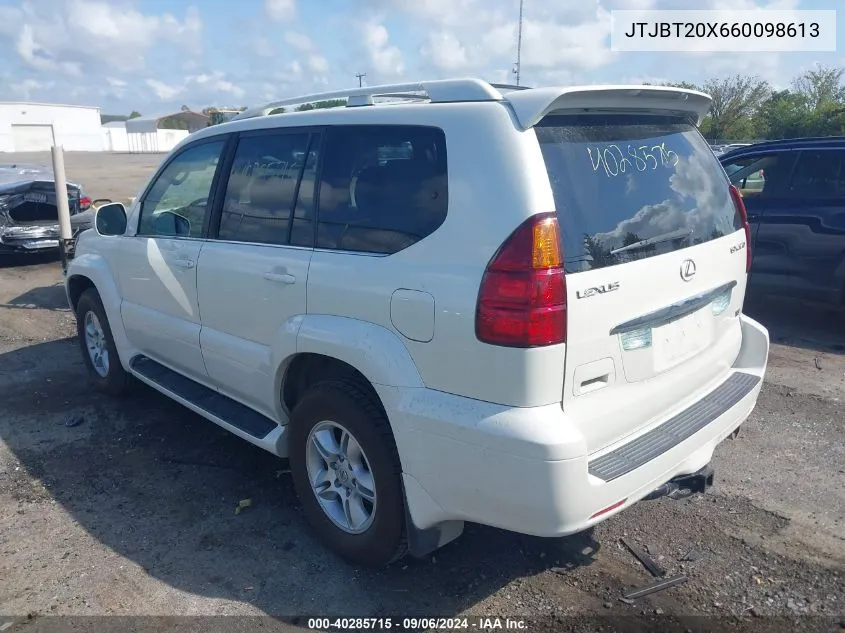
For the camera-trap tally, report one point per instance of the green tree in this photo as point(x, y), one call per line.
point(783, 115)
point(821, 86)
point(735, 101)
point(320, 105)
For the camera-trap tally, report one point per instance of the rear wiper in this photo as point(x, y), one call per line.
point(657, 239)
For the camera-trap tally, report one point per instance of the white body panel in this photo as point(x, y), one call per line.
point(525, 469)
point(161, 315)
point(243, 326)
point(495, 435)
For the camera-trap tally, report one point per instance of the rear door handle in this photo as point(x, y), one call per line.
point(281, 278)
point(185, 263)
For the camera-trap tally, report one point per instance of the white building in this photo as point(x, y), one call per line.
point(145, 135)
point(115, 138)
point(31, 127)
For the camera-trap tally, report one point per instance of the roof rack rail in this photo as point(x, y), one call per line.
point(434, 91)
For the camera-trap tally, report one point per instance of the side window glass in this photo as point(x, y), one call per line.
point(261, 188)
point(819, 175)
point(760, 175)
point(302, 230)
point(382, 189)
point(177, 203)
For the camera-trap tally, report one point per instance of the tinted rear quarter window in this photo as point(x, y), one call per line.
point(382, 188)
point(627, 187)
point(819, 174)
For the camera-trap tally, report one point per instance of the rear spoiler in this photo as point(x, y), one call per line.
point(530, 106)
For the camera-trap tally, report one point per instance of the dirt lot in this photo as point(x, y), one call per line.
point(131, 512)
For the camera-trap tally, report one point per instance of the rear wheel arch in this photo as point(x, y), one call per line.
point(307, 369)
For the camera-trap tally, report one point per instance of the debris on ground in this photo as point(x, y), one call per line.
point(243, 504)
point(647, 561)
point(74, 420)
point(660, 585)
point(691, 556)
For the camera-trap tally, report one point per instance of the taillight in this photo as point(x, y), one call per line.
point(743, 214)
point(84, 203)
point(522, 299)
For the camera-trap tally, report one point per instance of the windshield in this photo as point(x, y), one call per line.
point(645, 182)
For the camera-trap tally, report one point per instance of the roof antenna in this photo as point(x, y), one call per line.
point(518, 66)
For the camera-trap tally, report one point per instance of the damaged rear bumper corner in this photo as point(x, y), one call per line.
point(28, 239)
point(39, 238)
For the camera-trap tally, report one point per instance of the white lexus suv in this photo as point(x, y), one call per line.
point(447, 301)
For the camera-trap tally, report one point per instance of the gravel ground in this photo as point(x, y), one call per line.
point(131, 512)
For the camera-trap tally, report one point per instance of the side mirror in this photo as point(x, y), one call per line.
point(111, 219)
point(169, 223)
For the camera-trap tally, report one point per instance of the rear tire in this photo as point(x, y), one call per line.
point(360, 511)
point(97, 345)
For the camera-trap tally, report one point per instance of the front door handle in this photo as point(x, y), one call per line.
point(185, 263)
point(281, 278)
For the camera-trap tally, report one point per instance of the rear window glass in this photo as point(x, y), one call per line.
point(627, 187)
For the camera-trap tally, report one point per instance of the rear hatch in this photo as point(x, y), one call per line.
point(655, 260)
point(34, 202)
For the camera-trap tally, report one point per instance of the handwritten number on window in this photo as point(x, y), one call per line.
point(614, 161)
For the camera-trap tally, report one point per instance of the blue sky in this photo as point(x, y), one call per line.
point(156, 55)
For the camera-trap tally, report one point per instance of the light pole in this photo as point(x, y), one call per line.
point(518, 67)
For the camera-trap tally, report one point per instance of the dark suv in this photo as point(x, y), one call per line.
point(794, 191)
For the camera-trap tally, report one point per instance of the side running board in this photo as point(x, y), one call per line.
point(214, 403)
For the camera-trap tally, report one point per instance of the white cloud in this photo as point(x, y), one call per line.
point(280, 10)
point(553, 45)
point(318, 64)
point(214, 83)
point(89, 34)
point(205, 53)
point(386, 58)
point(37, 57)
point(445, 51)
point(26, 88)
point(299, 41)
point(163, 91)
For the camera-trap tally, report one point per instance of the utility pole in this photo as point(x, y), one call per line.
point(360, 77)
point(518, 67)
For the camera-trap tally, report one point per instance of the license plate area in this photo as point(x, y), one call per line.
point(681, 339)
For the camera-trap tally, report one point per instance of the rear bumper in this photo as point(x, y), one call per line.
point(527, 469)
point(39, 238)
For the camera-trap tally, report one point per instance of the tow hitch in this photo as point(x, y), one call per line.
point(684, 485)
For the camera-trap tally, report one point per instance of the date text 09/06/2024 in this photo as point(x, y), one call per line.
point(417, 624)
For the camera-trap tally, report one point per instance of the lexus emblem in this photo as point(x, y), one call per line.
point(687, 269)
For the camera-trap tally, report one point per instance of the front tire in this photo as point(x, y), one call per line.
point(347, 475)
point(97, 345)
